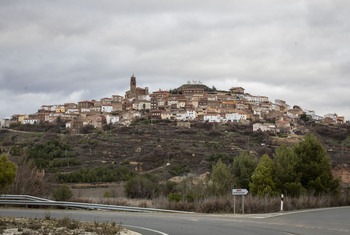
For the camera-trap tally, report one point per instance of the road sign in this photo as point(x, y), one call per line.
point(239, 192)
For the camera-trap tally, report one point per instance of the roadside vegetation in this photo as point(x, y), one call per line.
point(49, 225)
point(183, 169)
point(301, 172)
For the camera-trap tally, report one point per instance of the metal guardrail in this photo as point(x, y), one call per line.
point(27, 200)
point(23, 197)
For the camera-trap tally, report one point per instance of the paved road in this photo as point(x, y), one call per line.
point(319, 221)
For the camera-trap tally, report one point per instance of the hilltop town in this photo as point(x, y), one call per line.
point(192, 102)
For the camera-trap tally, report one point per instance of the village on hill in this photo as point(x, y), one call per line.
point(192, 102)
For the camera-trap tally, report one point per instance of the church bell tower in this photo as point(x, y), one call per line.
point(133, 86)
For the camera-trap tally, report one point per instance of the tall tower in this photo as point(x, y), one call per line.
point(133, 86)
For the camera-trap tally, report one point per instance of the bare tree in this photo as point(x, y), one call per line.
point(28, 179)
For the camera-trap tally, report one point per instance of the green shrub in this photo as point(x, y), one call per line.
point(64, 162)
point(214, 157)
point(174, 197)
point(107, 194)
point(142, 186)
point(176, 170)
point(67, 223)
point(43, 154)
point(170, 187)
point(16, 151)
point(125, 162)
point(7, 172)
point(62, 193)
point(190, 197)
point(48, 216)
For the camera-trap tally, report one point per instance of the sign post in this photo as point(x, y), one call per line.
point(282, 196)
point(238, 192)
point(234, 204)
point(243, 204)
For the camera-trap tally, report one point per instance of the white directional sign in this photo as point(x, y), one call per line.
point(239, 192)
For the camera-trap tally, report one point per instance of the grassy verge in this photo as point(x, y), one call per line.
point(253, 204)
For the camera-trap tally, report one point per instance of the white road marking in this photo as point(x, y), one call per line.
point(304, 211)
point(148, 229)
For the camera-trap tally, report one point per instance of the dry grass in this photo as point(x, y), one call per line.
point(254, 204)
point(216, 204)
point(120, 201)
point(305, 201)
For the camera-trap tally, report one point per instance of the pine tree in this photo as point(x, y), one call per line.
point(243, 168)
point(314, 166)
point(221, 179)
point(286, 176)
point(263, 178)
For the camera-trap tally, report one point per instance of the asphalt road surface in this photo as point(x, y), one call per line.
point(317, 221)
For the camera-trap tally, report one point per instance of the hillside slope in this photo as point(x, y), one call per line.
point(163, 147)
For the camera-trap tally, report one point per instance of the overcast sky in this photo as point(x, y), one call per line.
point(53, 52)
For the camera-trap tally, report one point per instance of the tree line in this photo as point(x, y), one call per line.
point(97, 174)
point(294, 171)
point(300, 169)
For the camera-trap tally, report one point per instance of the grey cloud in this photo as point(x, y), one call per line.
point(297, 49)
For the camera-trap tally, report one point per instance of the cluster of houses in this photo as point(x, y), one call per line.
point(192, 104)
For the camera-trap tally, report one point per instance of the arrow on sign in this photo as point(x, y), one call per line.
point(239, 192)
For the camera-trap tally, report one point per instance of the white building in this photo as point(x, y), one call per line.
point(50, 107)
point(85, 110)
point(96, 109)
point(130, 115)
point(5, 123)
point(31, 121)
point(181, 116)
point(106, 108)
point(191, 114)
point(72, 110)
point(141, 105)
point(264, 127)
point(256, 99)
point(309, 112)
point(332, 116)
point(235, 117)
point(212, 118)
point(110, 119)
point(173, 102)
point(317, 117)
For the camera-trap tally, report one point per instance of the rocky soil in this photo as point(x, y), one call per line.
point(25, 226)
